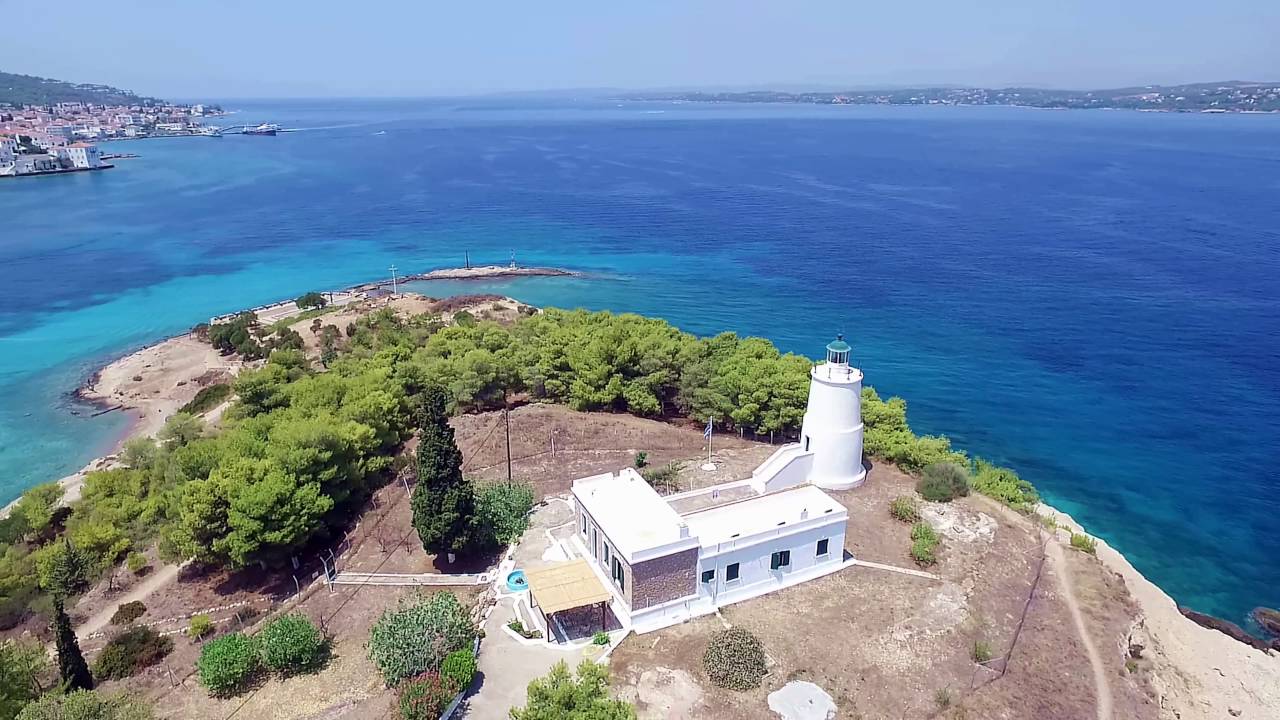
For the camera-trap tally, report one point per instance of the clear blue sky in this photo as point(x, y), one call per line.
point(275, 48)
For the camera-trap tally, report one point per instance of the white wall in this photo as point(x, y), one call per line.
point(754, 574)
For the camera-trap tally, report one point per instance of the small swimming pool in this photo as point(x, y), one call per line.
point(516, 581)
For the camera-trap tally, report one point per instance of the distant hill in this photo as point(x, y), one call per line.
point(20, 90)
point(1226, 96)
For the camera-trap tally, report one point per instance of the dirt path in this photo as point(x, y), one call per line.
point(157, 579)
point(1101, 685)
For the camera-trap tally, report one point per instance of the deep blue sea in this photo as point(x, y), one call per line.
point(1089, 297)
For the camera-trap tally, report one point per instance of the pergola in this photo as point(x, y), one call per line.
point(566, 586)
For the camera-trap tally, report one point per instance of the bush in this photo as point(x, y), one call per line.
point(583, 694)
point(982, 651)
point(924, 543)
point(425, 696)
point(665, 478)
point(943, 482)
point(85, 705)
point(502, 511)
point(200, 626)
point(418, 635)
point(905, 509)
point(292, 643)
point(311, 300)
point(523, 632)
point(136, 562)
point(130, 652)
point(207, 399)
point(1004, 485)
point(460, 667)
point(735, 659)
point(228, 664)
point(128, 612)
point(642, 459)
point(600, 638)
point(1084, 543)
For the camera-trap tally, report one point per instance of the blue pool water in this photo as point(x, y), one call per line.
point(516, 581)
point(1088, 297)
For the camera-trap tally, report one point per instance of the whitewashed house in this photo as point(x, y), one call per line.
point(667, 559)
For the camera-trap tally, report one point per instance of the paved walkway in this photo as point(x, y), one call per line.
point(894, 568)
point(420, 579)
point(506, 667)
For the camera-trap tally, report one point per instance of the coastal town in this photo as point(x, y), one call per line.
point(63, 137)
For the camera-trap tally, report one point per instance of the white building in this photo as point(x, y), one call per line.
point(667, 559)
point(8, 149)
point(82, 155)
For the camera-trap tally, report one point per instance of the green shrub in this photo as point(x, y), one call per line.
point(1004, 485)
point(522, 631)
point(460, 667)
point(665, 478)
point(502, 511)
point(642, 459)
point(942, 697)
point(943, 482)
point(1084, 543)
point(905, 509)
point(924, 531)
point(418, 635)
point(425, 696)
point(85, 705)
point(600, 638)
point(128, 612)
point(924, 544)
point(229, 664)
point(136, 562)
point(292, 643)
point(200, 626)
point(735, 660)
point(207, 399)
point(130, 652)
point(982, 651)
point(922, 552)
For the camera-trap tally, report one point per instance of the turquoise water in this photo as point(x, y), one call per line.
point(1087, 297)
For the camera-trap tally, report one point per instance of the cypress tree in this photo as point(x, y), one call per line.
point(71, 665)
point(443, 502)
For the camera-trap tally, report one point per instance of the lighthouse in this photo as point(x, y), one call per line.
point(832, 428)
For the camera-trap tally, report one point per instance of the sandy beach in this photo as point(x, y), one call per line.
point(1202, 673)
point(150, 384)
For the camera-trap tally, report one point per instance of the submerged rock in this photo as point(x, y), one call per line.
point(1226, 627)
point(1269, 619)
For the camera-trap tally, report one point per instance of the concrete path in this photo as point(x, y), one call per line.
point(158, 578)
point(801, 700)
point(506, 668)
point(894, 568)
point(421, 579)
point(1101, 685)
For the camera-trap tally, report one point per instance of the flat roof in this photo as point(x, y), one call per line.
point(566, 586)
point(630, 512)
point(763, 514)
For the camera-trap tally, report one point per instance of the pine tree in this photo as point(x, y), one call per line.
point(71, 665)
point(443, 502)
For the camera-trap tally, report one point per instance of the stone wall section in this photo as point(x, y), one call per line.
point(664, 579)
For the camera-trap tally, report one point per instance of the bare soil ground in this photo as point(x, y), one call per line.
point(584, 444)
point(886, 645)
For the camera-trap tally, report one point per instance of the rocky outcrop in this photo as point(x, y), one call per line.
point(1226, 627)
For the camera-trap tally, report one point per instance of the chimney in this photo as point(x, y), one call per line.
point(684, 530)
point(804, 514)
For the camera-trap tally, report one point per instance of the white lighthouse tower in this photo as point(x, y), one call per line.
point(832, 428)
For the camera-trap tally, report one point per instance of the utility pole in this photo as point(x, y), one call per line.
point(506, 418)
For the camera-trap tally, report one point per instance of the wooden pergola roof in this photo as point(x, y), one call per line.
point(565, 586)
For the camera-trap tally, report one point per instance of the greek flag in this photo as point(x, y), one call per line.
point(707, 433)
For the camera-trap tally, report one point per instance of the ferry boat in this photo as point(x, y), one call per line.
point(263, 129)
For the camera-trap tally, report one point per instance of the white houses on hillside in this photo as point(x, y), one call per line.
point(667, 559)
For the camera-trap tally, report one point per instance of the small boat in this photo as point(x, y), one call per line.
point(263, 129)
